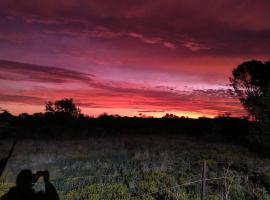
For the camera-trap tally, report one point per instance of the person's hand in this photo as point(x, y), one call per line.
point(46, 176)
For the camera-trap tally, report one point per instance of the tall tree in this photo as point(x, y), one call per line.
point(251, 83)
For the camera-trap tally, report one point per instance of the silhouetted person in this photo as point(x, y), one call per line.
point(24, 187)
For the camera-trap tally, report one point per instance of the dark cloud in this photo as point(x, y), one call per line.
point(28, 72)
point(224, 27)
point(12, 98)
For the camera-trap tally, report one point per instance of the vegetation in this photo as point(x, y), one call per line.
point(144, 167)
point(64, 106)
point(251, 84)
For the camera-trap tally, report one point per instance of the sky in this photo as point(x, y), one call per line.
point(129, 57)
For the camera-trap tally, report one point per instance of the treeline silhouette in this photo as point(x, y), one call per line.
point(63, 125)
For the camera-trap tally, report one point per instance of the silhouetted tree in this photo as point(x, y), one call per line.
point(5, 116)
point(169, 115)
point(224, 115)
point(103, 115)
point(24, 115)
point(66, 106)
point(251, 84)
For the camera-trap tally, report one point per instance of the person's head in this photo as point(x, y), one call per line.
point(25, 179)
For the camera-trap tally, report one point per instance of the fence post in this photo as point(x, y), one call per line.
point(203, 183)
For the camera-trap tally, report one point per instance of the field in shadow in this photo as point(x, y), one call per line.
point(139, 167)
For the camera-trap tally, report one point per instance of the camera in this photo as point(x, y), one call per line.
point(39, 174)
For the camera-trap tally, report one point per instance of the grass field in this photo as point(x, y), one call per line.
point(140, 167)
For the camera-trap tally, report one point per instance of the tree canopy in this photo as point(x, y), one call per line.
point(251, 83)
point(66, 106)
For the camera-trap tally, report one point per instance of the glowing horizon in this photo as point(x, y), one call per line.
point(97, 112)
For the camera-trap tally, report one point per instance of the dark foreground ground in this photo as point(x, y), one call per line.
point(134, 158)
point(140, 167)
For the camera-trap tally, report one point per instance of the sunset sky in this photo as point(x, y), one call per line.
point(128, 57)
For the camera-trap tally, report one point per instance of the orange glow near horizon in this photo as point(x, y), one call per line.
point(17, 109)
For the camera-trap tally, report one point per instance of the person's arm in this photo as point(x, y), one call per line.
point(50, 190)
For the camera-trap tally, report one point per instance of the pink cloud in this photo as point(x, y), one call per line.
point(169, 45)
point(195, 46)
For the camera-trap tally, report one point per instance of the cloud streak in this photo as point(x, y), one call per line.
point(28, 72)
